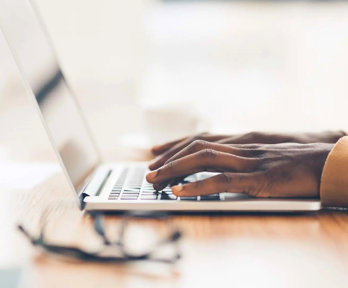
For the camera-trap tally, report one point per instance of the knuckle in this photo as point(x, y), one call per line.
point(197, 184)
point(170, 165)
point(261, 187)
point(250, 165)
point(208, 154)
point(226, 178)
point(253, 135)
point(198, 145)
point(198, 136)
point(257, 152)
point(252, 146)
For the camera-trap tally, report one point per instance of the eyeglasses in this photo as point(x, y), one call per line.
point(119, 250)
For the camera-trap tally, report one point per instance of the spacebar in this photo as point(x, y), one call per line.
point(213, 197)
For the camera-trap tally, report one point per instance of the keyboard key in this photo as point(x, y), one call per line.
point(132, 189)
point(188, 198)
point(148, 197)
point(114, 194)
point(165, 196)
point(130, 195)
point(148, 194)
point(131, 192)
point(129, 198)
point(168, 192)
point(147, 184)
point(149, 191)
point(214, 197)
point(137, 187)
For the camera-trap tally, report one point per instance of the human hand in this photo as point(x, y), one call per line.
point(167, 150)
point(259, 170)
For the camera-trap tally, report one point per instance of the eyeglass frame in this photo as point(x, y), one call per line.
point(99, 228)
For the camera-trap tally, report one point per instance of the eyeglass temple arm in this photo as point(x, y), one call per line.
point(27, 234)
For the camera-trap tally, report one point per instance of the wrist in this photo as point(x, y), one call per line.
point(333, 136)
point(321, 137)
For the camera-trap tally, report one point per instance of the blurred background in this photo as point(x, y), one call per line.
point(149, 70)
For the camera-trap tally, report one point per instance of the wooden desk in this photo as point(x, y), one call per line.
point(233, 250)
point(236, 250)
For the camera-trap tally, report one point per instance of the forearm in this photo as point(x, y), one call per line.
point(274, 138)
point(320, 137)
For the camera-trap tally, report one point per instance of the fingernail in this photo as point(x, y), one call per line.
point(150, 176)
point(177, 188)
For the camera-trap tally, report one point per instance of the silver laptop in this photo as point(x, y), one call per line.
point(100, 186)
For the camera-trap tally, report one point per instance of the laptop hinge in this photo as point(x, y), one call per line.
point(82, 202)
point(95, 186)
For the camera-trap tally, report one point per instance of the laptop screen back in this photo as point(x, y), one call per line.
point(36, 59)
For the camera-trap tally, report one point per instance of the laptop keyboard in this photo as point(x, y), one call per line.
point(132, 185)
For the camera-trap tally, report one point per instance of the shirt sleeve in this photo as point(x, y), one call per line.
point(334, 178)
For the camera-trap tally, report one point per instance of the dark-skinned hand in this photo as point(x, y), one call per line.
point(259, 170)
point(167, 150)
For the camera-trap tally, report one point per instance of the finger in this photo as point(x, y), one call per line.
point(159, 149)
point(199, 145)
point(171, 182)
point(239, 139)
point(160, 160)
point(204, 160)
point(160, 186)
point(177, 180)
point(256, 137)
point(225, 182)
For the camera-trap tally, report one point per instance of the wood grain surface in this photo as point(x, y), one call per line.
point(236, 250)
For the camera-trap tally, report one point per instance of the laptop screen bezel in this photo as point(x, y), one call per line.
point(89, 170)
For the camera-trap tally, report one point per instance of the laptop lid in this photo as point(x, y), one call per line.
point(58, 107)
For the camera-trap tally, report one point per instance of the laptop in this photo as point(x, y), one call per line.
point(101, 186)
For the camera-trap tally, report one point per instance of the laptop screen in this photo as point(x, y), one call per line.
point(61, 115)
